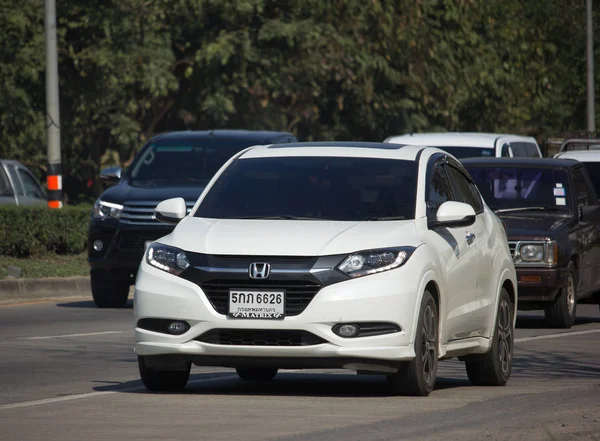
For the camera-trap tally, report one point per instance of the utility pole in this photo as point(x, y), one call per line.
point(591, 113)
point(54, 179)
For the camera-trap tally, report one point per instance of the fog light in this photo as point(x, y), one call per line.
point(177, 328)
point(98, 245)
point(346, 330)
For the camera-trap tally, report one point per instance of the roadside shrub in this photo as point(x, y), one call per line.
point(37, 230)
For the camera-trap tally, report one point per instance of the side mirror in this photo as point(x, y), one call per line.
point(170, 211)
point(590, 213)
point(455, 214)
point(111, 175)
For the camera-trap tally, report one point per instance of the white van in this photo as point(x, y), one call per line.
point(591, 161)
point(471, 145)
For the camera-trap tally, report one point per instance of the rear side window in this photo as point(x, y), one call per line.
point(32, 189)
point(16, 181)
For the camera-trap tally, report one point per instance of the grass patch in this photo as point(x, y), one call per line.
point(49, 265)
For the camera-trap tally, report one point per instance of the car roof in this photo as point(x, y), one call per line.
point(10, 161)
point(257, 136)
point(521, 162)
point(580, 155)
point(458, 139)
point(339, 149)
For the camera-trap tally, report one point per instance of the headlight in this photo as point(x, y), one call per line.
point(368, 262)
point(544, 252)
point(532, 252)
point(104, 210)
point(169, 259)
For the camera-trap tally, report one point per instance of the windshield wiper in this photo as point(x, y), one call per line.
point(280, 217)
point(508, 210)
point(385, 218)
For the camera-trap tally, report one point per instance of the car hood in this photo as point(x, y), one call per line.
point(124, 192)
point(533, 226)
point(288, 237)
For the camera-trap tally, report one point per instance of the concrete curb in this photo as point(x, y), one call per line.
point(27, 290)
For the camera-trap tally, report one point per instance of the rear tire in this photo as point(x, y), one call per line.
point(562, 312)
point(256, 374)
point(108, 290)
point(417, 377)
point(495, 367)
point(163, 381)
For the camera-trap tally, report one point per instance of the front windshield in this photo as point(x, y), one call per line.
point(509, 188)
point(193, 163)
point(331, 188)
point(468, 152)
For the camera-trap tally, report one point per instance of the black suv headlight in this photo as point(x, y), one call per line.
point(105, 210)
point(169, 259)
point(363, 263)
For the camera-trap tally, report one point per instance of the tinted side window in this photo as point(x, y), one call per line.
point(532, 150)
point(505, 151)
point(581, 189)
point(439, 190)
point(5, 187)
point(15, 179)
point(518, 149)
point(464, 189)
point(32, 189)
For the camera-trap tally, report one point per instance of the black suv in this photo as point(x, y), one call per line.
point(552, 217)
point(177, 164)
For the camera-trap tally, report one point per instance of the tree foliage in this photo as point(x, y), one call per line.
point(337, 69)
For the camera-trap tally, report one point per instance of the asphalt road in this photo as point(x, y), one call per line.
point(68, 372)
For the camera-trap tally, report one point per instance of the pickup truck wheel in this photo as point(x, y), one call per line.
point(562, 312)
point(108, 290)
point(249, 374)
point(163, 380)
point(495, 367)
point(417, 377)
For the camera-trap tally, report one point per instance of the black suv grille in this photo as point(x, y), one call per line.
point(260, 337)
point(136, 240)
point(298, 294)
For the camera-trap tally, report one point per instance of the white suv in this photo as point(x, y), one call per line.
point(373, 257)
point(470, 145)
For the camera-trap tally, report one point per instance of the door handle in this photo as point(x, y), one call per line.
point(470, 238)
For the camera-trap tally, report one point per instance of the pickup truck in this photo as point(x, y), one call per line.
point(18, 186)
point(552, 218)
point(174, 164)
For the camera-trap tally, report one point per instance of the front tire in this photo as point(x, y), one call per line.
point(417, 377)
point(163, 381)
point(495, 367)
point(256, 374)
point(109, 290)
point(562, 312)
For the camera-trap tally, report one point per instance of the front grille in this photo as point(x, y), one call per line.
point(512, 246)
point(298, 294)
point(260, 337)
point(142, 212)
point(136, 240)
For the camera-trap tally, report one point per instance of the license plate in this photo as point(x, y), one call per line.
point(254, 304)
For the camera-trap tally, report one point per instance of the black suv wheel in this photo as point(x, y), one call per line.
point(109, 290)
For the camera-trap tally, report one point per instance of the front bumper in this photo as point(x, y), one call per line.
point(538, 286)
point(123, 245)
point(387, 297)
